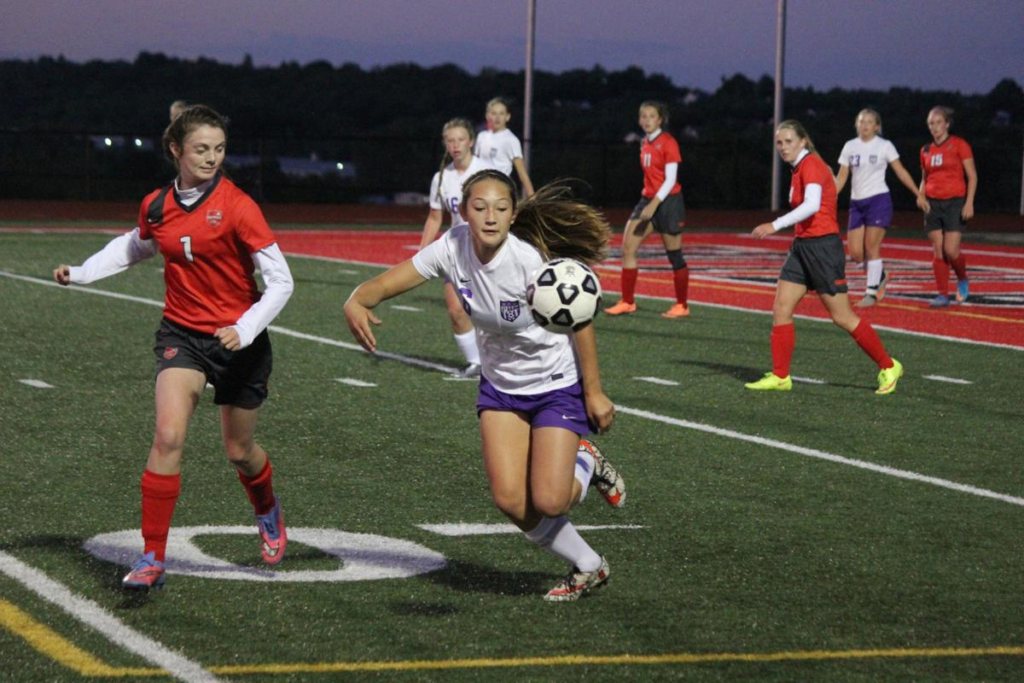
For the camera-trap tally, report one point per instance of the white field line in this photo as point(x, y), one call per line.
point(93, 615)
point(37, 383)
point(411, 309)
point(354, 382)
point(951, 380)
point(657, 380)
point(807, 380)
point(487, 529)
point(724, 307)
point(882, 469)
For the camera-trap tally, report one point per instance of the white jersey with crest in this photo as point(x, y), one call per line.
point(499, 149)
point(867, 162)
point(451, 187)
point(517, 355)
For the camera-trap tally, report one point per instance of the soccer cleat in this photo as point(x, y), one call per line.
point(882, 285)
point(868, 301)
point(273, 537)
point(606, 479)
point(145, 574)
point(677, 311)
point(887, 378)
point(621, 308)
point(941, 301)
point(577, 583)
point(963, 288)
point(771, 382)
point(471, 370)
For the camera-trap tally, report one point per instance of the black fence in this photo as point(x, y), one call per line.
point(732, 173)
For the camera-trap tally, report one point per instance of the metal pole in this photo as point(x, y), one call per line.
point(1022, 185)
point(780, 67)
point(531, 29)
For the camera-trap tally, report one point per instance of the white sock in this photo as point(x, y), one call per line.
point(558, 536)
point(467, 344)
point(584, 472)
point(874, 275)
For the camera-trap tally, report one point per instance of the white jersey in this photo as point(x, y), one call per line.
point(517, 355)
point(867, 162)
point(498, 149)
point(451, 188)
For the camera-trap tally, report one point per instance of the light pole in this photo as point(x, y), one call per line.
point(780, 67)
point(531, 29)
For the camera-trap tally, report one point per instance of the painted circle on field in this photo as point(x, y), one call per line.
point(363, 557)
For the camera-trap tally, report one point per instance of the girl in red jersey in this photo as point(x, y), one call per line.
point(816, 261)
point(948, 202)
point(212, 236)
point(660, 208)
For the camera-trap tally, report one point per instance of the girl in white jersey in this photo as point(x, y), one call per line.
point(538, 390)
point(445, 194)
point(500, 147)
point(865, 158)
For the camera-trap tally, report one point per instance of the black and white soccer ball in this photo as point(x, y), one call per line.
point(564, 295)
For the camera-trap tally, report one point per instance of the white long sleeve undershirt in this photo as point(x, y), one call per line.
point(126, 250)
point(277, 278)
point(670, 180)
point(807, 208)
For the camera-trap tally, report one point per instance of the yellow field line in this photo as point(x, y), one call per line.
point(59, 649)
point(903, 307)
point(66, 653)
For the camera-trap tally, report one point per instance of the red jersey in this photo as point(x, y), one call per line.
point(943, 168)
point(654, 155)
point(812, 170)
point(207, 249)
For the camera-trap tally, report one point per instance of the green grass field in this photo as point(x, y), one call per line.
point(788, 565)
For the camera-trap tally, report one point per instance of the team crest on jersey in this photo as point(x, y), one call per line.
point(170, 352)
point(509, 311)
point(214, 217)
point(873, 158)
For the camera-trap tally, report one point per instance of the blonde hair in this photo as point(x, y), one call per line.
point(947, 113)
point(799, 130)
point(498, 100)
point(872, 112)
point(552, 221)
point(457, 122)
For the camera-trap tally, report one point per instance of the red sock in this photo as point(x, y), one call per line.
point(868, 340)
point(783, 343)
point(629, 283)
point(941, 270)
point(159, 496)
point(960, 266)
point(260, 489)
point(681, 279)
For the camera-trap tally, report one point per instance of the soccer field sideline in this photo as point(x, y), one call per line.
point(184, 669)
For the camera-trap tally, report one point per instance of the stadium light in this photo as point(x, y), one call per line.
point(780, 67)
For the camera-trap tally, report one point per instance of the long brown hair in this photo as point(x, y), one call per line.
point(190, 119)
point(457, 122)
point(552, 221)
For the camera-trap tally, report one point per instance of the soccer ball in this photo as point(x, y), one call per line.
point(564, 295)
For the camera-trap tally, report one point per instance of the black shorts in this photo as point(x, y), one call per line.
point(945, 215)
point(669, 217)
point(239, 378)
point(818, 263)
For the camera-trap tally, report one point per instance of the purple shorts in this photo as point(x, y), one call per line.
point(874, 212)
point(559, 408)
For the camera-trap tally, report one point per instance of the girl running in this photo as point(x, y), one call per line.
point(445, 194)
point(214, 330)
point(865, 159)
point(816, 262)
point(539, 390)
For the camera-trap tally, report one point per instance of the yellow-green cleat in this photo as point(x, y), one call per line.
point(771, 382)
point(887, 378)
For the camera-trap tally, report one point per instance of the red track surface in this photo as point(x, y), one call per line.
point(739, 271)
